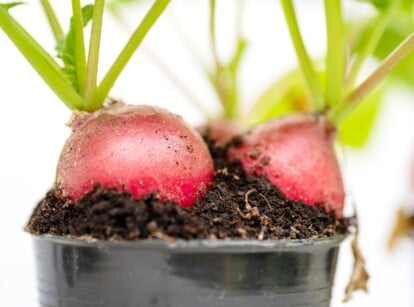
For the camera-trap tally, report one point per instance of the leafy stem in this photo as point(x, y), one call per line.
point(404, 49)
point(212, 27)
point(308, 71)
point(178, 83)
point(75, 81)
point(335, 59)
point(90, 99)
point(79, 44)
point(52, 19)
point(369, 46)
point(189, 46)
point(115, 70)
point(40, 60)
point(220, 76)
point(224, 77)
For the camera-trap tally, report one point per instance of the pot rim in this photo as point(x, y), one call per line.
point(200, 245)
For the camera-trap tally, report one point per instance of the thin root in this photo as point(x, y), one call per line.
point(359, 276)
point(246, 198)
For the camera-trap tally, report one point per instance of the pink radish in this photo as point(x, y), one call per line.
point(139, 149)
point(296, 154)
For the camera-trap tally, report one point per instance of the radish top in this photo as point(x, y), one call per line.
point(333, 91)
point(74, 78)
point(340, 94)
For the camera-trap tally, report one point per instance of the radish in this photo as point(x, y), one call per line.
point(296, 155)
point(137, 149)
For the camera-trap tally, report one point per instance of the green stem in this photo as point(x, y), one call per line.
point(239, 17)
point(404, 49)
point(308, 71)
point(181, 86)
point(52, 19)
point(231, 89)
point(212, 27)
point(369, 47)
point(218, 75)
point(79, 45)
point(224, 78)
point(230, 98)
point(231, 103)
point(189, 47)
point(111, 76)
point(195, 55)
point(184, 88)
point(41, 61)
point(91, 101)
point(335, 58)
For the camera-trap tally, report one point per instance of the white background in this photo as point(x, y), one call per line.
point(32, 131)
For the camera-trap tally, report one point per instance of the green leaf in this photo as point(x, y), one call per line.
point(115, 6)
point(404, 5)
point(356, 128)
point(392, 37)
point(288, 95)
point(123, 2)
point(66, 50)
point(40, 60)
point(400, 27)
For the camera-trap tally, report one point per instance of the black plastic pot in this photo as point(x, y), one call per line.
point(196, 273)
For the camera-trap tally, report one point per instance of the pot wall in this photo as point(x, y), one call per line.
point(197, 273)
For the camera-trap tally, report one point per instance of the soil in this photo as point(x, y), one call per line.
point(238, 206)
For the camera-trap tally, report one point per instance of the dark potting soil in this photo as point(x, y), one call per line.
point(238, 206)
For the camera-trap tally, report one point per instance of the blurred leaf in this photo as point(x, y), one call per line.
point(287, 95)
point(400, 27)
point(404, 5)
point(114, 6)
point(355, 130)
point(403, 72)
point(66, 49)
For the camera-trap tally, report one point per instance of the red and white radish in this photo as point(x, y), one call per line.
point(139, 149)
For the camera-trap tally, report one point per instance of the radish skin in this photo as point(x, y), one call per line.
point(296, 154)
point(139, 149)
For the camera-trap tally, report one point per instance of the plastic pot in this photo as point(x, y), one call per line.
point(197, 273)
